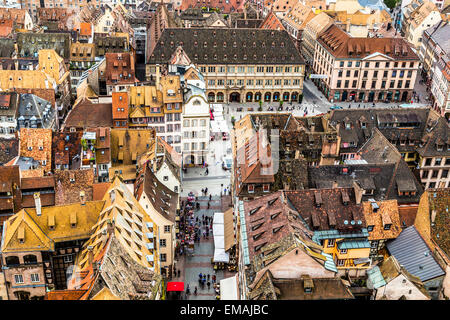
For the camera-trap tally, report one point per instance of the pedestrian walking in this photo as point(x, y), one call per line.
point(207, 276)
point(208, 205)
point(206, 190)
point(213, 278)
point(209, 285)
point(195, 290)
point(210, 196)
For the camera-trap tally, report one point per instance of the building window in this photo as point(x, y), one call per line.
point(18, 278)
point(330, 243)
point(370, 228)
point(343, 251)
point(387, 226)
point(162, 243)
point(340, 262)
point(34, 277)
point(251, 188)
point(163, 257)
point(266, 187)
point(68, 259)
point(166, 229)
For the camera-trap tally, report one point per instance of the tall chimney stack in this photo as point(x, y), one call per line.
point(37, 202)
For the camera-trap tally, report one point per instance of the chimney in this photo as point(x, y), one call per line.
point(110, 227)
point(433, 215)
point(37, 202)
point(158, 76)
point(358, 192)
point(91, 255)
point(82, 198)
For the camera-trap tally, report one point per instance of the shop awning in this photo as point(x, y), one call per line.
point(175, 286)
point(228, 223)
point(229, 288)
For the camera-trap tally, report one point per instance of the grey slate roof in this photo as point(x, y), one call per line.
point(227, 46)
point(30, 43)
point(412, 252)
point(33, 106)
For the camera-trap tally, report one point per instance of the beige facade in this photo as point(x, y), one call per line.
point(166, 245)
point(251, 83)
point(309, 36)
point(434, 172)
point(416, 21)
point(365, 71)
point(24, 280)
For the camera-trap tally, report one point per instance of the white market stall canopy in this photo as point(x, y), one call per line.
point(219, 239)
point(228, 288)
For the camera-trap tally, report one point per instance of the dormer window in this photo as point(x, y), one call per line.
point(205, 44)
point(195, 43)
point(370, 228)
point(387, 226)
point(224, 44)
point(234, 44)
point(195, 33)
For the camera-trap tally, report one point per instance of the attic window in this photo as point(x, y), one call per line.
point(254, 44)
point(224, 44)
point(215, 44)
point(270, 202)
point(195, 33)
point(254, 210)
point(387, 226)
point(275, 230)
point(273, 216)
point(195, 43)
point(234, 44)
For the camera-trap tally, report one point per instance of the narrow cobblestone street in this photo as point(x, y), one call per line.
point(191, 265)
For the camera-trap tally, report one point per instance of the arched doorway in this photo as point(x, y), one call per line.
point(276, 96)
point(257, 96)
point(219, 97)
point(344, 95)
point(189, 160)
point(211, 97)
point(286, 96)
point(361, 96)
point(397, 95)
point(267, 97)
point(294, 96)
point(380, 96)
point(371, 96)
point(249, 97)
point(353, 96)
point(404, 96)
point(235, 97)
point(389, 96)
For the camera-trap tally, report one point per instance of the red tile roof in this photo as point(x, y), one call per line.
point(120, 68)
point(120, 105)
point(6, 27)
point(342, 45)
point(85, 29)
point(271, 22)
point(99, 190)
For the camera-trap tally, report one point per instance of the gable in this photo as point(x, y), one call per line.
point(377, 56)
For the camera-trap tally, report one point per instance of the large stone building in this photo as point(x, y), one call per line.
point(238, 64)
point(363, 69)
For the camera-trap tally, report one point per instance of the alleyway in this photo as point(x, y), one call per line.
point(200, 261)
